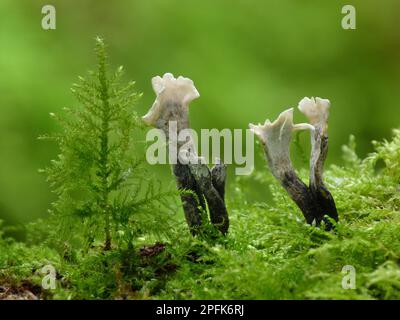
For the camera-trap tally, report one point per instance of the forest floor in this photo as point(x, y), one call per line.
point(269, 252)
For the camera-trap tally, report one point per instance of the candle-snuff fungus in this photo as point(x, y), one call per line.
point(314, 200)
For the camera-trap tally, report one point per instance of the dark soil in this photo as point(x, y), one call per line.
point(26, 290)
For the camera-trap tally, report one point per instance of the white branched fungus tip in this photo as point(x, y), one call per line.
point(168, 89)
point(316, 110)
point(283, 125)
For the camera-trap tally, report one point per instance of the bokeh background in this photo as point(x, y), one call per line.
point(249, 60)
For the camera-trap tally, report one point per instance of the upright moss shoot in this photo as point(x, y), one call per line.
point(96, 177)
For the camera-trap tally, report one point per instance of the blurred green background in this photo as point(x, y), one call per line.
point(249, 60)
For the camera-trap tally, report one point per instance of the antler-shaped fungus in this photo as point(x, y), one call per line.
point(317, 112)
point(314, 201)
point(204, 185)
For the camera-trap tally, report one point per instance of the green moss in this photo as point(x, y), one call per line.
point(270, 253)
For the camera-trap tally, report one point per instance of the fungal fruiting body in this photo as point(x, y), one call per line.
point(315, 201)
point(201, 187)
point(317, 112)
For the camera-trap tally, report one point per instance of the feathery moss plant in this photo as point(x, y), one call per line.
point(96, 177)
